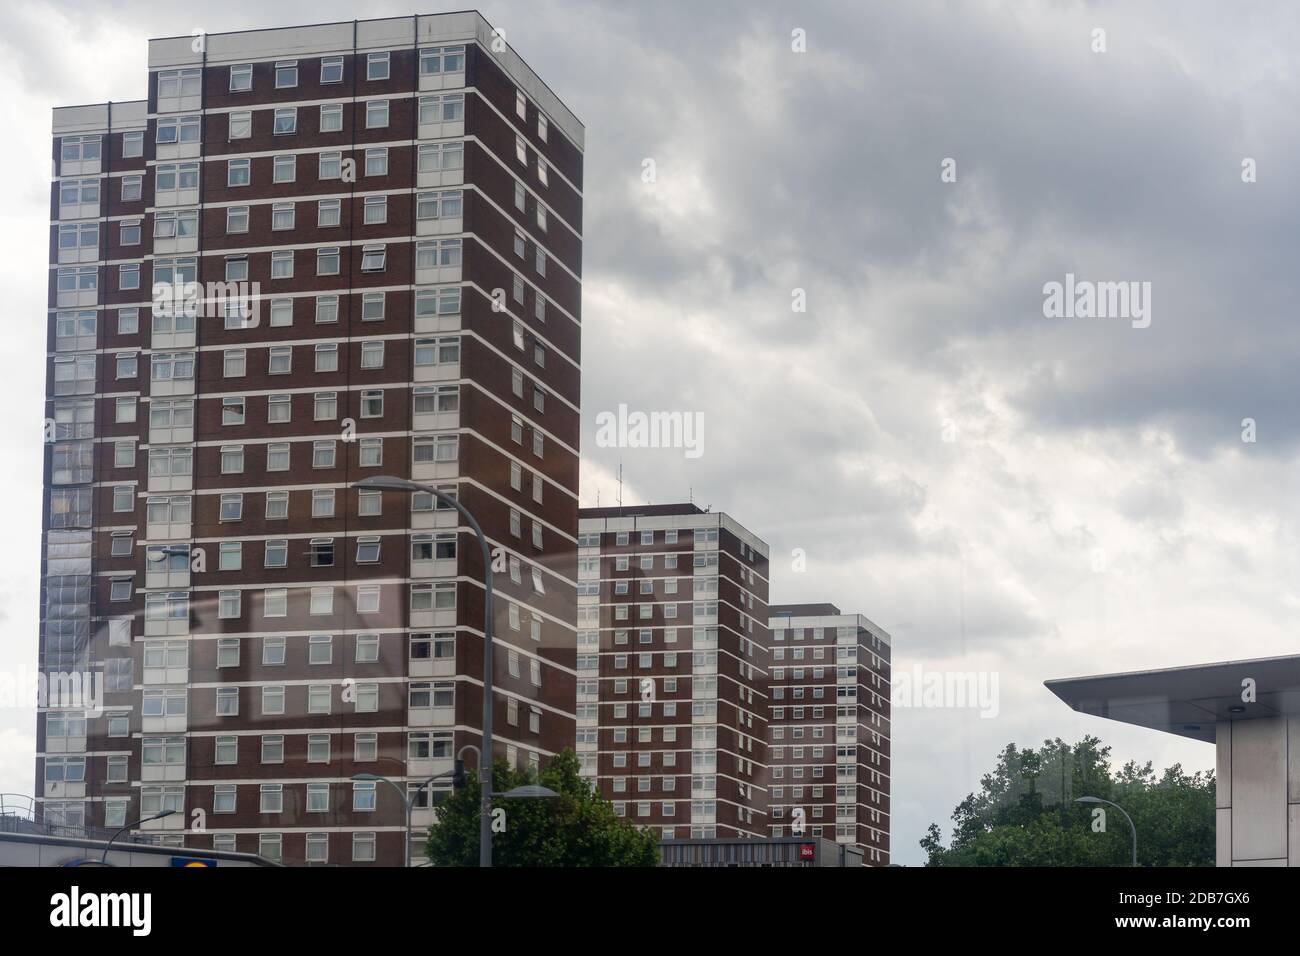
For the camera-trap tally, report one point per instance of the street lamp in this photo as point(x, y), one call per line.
point(529, 790)
point(390, 483)
point(1126, 817)
point(103, 860)
point(406, 801)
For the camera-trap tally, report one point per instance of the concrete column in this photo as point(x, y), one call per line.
point(1258, 799)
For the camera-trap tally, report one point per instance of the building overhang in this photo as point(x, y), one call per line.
point(1188, 701)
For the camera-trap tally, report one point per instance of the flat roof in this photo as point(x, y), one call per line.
point(1188, 701)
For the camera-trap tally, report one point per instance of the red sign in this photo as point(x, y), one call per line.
point(807, 851)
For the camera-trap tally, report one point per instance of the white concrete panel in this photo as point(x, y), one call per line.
point(1223, 837)
point(1259, 806)
point(1293, 760)
point(1223, 763)
point(1293, 828)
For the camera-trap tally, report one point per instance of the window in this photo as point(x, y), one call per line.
point(277, 456)
point(236, 219)
point(376, 210)
point(327, 309)
point(241, 125)
point(376, 114)
point(372, 306)
point(543, 126)
point(272, 798)
point(331, 69)
point(373, 258)
point(234, 363)
point(322, 601)
point(328, 212)
point(276, 553)
point(286, 121)
point(447, 204)
point(368, 549)
point(318, 844)
point(227, 701)
point(372, 403)
point(241, 78)
point(284, 169)
point(325, 406)
point(231, 556)
point(331, 117)
point(377, 66)
point(236, 268)
point(275, 603)
point(438, 157)
point(277, 504)
point(279, 408)
point(282, 216)
point(232, 459)
point(322, 503)
point(377, 162)
point(270, 846)
point(363, 795)
point(227, 656)
point(363, 847)
point(323, 454)
point(178, 129)
point(327, 357)
point(521, 150)
point(318, 794)
point(327, 264)
point(132, 187)
point(132, 145)
point(238, 172)
point(280, 359)
point(286, 74)
point(521, 105)
point(330, 166)
point(446, 59)
point(282, 265)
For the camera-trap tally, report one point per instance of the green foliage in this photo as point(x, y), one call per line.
point(1025, 814)
point(576, 829)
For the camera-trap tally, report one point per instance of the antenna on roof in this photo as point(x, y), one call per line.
point(620, 484)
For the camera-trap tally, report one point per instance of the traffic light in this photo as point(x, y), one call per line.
point(458, 775)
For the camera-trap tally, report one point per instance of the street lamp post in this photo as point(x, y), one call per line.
point(390, 483)
point(1126, 817)
point(406, 802)
point(103, 860)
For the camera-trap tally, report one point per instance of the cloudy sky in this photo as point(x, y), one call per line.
point(1003, 492)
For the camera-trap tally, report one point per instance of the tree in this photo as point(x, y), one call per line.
point(1025, 814)
point(576, 829)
